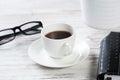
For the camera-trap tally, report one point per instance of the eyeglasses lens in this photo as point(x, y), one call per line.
point(31, 28)
point(6, 36)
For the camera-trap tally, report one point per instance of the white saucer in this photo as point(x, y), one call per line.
point(38, 54)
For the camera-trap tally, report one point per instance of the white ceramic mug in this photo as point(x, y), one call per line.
point(102, 14)
point(58, 48)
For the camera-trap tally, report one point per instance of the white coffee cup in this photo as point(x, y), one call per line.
point(101, 14)
point(58, 48)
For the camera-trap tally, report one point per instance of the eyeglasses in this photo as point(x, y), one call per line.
point(28, 28)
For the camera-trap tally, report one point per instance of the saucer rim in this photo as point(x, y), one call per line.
point(74, 62)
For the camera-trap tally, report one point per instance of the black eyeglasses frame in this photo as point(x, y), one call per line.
point(24, 32)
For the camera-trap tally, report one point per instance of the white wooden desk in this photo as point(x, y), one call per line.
point(16, 65)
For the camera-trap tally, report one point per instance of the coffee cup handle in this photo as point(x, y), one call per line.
point(67, 49)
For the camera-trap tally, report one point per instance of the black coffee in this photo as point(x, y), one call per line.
point(58, 34)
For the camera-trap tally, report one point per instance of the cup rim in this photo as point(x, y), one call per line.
point(72, 33)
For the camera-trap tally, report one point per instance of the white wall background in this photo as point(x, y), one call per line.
point(37, 6)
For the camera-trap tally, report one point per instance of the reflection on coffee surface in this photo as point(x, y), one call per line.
point(58, 34)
